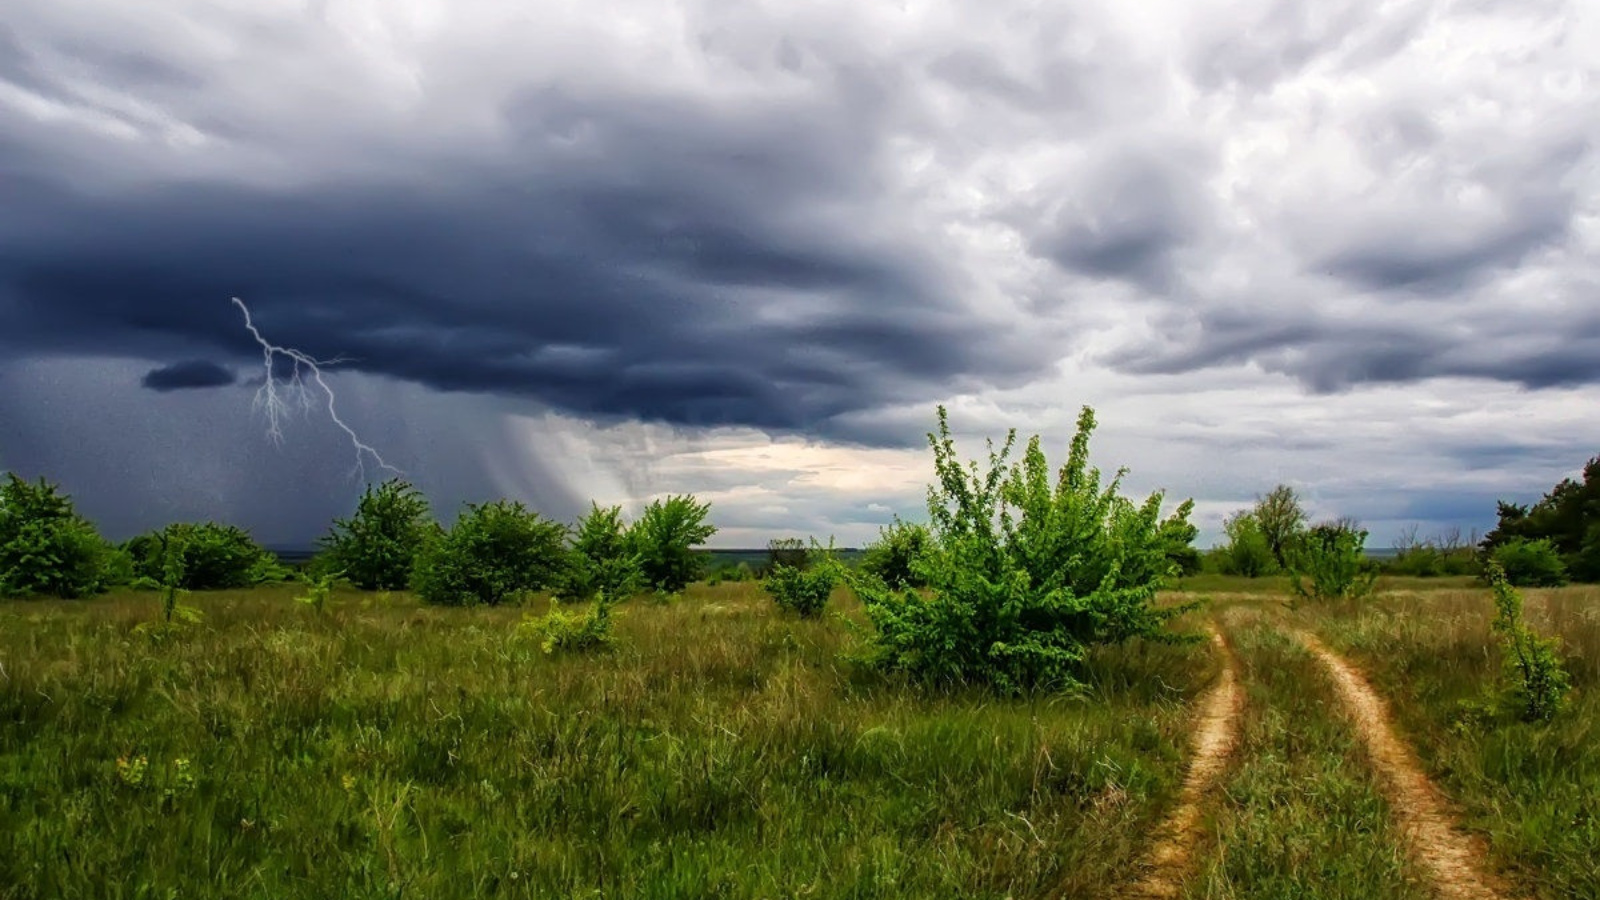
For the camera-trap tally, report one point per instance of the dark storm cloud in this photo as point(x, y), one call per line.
point(683, 267)
point(1124, 219)
point(195, 373)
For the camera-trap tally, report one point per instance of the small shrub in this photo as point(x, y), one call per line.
point(601, 560)
point(46, 547)
point(664, 538)
point(805, 591)
point(574, 632)
point(1533, 664)
point(896, 556)
point(318, 589)
point(1329, 562)
point(1526, 563)
point(495, 553)
point(377, 547)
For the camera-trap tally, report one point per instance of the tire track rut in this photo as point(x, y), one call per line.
point(1169, 860)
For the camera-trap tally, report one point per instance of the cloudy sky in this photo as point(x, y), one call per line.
point(573, 251)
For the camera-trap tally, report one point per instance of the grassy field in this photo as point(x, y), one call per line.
point(385, 749)
point(1533, 789)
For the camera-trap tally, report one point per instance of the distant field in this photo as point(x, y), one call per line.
point(386, 749)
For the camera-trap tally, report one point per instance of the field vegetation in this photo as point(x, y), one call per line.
point(997, 702)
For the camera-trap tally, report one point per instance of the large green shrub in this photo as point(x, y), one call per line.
point(1024, 571)
point(1528, 563)
point(377, 547)
point(665, 538)
point(494, 553)
point(45, 546)
point(896, 556)
point(601, 562)
point(1329, 562)
point(210, 556)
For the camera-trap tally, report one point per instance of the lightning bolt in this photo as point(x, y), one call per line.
point(274, 399)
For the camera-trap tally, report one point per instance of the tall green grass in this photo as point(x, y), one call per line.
point(384, 749)
point(1532, 789)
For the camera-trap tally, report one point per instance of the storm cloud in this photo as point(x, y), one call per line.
point(194, 373)
point(807, 222)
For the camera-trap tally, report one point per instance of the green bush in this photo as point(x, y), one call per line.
point(495, 553)
point(46, 547)
point(1441, 556)
point(377, 547)
point(1533, 664)
point(1247, 552)
point(805, 590)
point(897, 555)
point(212, 557)
point(1528, 563)
point(1024, 571)
point(601, 560)
point(561, 631)
point(1330, 562)
point(664, 538)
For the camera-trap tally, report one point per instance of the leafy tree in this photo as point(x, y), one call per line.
point(1024, 571)
point(377, 547)
point(45, 546)
point(210, 557)
point(1248, 552)
point(1568, 517)
point(601, 561)
point(664, 538)
point(1330, 562)
point(494, 553)
point(1526, 563)
point(1281, 520)
point(896, 556)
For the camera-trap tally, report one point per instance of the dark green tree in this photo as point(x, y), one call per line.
point(1568, 517)
point(1281, 520)
point(601, 561)
point(377, 547)
point(495, 553)
point(45, 546)
point(209, 556)
point(665, 538)
point(896, 556)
